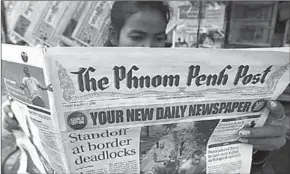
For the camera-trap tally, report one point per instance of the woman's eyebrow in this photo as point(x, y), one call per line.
point(161, 33)
point(138, 32)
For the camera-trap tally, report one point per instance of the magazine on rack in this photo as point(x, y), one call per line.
point(63, 23)
point(140, 110)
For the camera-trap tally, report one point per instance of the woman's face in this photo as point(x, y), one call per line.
point(143, 29)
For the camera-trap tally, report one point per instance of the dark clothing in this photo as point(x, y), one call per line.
point(38, 101)
point(260, 159)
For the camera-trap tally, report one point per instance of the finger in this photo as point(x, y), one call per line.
point(265, 144)
point(9, 98)
point(8, 111)
point(288, 134)
point(7, 127)
point(12, 122)
point(10, 125)
point(276, 109)
point(266, 131)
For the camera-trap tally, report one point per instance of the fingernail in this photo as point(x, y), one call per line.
point(273, 104)
point(242, 140)
point(10, 115)
point(244, 132)
point(281, 118)
point(8, 97)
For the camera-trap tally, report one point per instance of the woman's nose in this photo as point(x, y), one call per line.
point(148, 43)
point(151, 42)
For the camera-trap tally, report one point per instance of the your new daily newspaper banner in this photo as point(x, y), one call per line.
point(141, 110)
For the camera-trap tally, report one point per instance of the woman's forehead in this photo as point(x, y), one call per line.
point(147, 21)
point(127, 8)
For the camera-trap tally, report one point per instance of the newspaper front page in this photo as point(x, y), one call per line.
point(139, 110)
point(23, 17)
point(92, 30)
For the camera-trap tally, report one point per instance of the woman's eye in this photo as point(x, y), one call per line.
point(160, 39)
point(137, 38)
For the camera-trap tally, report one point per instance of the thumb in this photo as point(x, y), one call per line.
point(7, 110)
point(9, 99)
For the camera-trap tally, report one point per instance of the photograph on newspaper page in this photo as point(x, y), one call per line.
point(26, 83)
point(175, 148)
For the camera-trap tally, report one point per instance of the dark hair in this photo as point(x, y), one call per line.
point(122, 10)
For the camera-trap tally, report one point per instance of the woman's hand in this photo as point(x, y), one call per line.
point(272, 135)
point(10, 123)
point(49, 88)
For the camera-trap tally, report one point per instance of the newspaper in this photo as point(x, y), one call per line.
point(66, 35)
point(22, 17)
point(93, 28)
point(140, 110)
point(58, 23)
point(186, 15)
